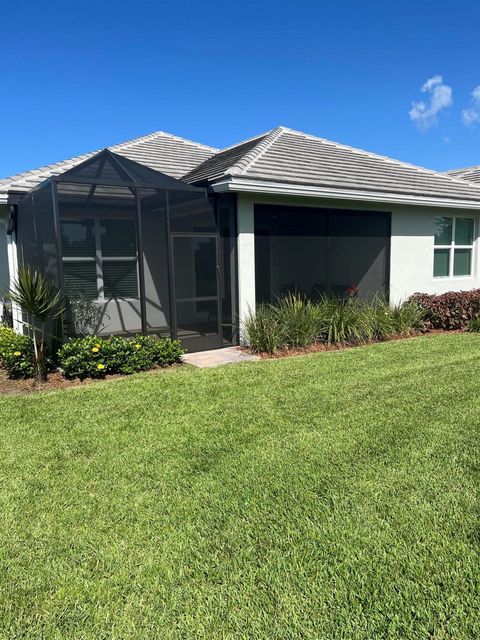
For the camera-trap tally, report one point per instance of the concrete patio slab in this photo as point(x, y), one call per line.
point(217, 357)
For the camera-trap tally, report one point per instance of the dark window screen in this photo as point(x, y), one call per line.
point(313, 251)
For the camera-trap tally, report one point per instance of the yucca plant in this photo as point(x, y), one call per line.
point(41, 303)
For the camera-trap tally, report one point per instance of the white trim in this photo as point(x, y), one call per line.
point(13, 276)
point(451, 249)
point(281, 188)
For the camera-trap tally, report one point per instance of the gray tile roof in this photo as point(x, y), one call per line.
point(279, 156)
point(161, 151)
point(222, 162)
point(288, 156)
point(471, 174)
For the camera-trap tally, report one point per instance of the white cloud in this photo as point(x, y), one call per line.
point(471, 116)
point(432, 82)
point(423, 114)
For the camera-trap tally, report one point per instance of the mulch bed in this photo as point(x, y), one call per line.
point(321, 347)
point(55, 381)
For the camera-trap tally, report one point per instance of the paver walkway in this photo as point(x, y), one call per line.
point(216, 357)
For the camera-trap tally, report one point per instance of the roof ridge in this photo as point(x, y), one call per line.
point(67, 163)
point(158, 133)
point(377, 156)
point(49, 167)
point(473, 167)
point(246, 161)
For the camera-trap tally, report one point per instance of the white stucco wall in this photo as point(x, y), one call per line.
point(411, 254)
point(246, 257)
point(411, 248)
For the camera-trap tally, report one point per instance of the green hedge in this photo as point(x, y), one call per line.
point(94, 357)
point(16, 353)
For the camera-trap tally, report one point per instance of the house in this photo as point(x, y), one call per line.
point(177, 238)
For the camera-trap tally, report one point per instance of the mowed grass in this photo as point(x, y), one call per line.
point(325, 496)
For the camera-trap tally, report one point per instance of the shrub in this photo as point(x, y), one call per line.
point(93, 357)
point(452, 310)
point(408, 318)
point(82, 358)
point(262, 331)
point(86, 316)
point(474, 325)
point(295, 322)
point(340, 321)
point(123, 355)
point(383, 320)
point(16, 353)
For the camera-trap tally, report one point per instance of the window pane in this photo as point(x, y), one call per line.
point(441, 262)
point(118, 238)
point(443, 230)
point(80, 278)
point(120, 279)
point(462, 259)
point(78, 238)
point(464, 231)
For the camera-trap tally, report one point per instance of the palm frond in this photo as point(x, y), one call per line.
point(36, 296)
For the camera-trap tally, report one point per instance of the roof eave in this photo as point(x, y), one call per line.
point(284, 188)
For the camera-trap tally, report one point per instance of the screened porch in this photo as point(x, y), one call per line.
point(154, 253)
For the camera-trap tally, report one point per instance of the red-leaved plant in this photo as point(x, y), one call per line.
point(352, 291)
point(451, 310)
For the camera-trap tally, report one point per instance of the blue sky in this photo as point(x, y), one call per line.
point(78, 76)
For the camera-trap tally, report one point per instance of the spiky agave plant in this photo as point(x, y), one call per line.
point(41, 302)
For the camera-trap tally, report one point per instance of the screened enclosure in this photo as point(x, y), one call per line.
point(154, 254)
point(314, 252)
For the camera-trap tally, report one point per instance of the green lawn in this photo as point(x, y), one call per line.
point(326, 496)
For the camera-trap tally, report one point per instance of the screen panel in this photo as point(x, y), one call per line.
point(191, 212)
point(315, 252)
point(155, 260)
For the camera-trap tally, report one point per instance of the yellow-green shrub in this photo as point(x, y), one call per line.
point(94, 357)
point(16, 353)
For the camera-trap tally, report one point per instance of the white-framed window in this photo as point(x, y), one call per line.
point(453, 252)
point(100, 258)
